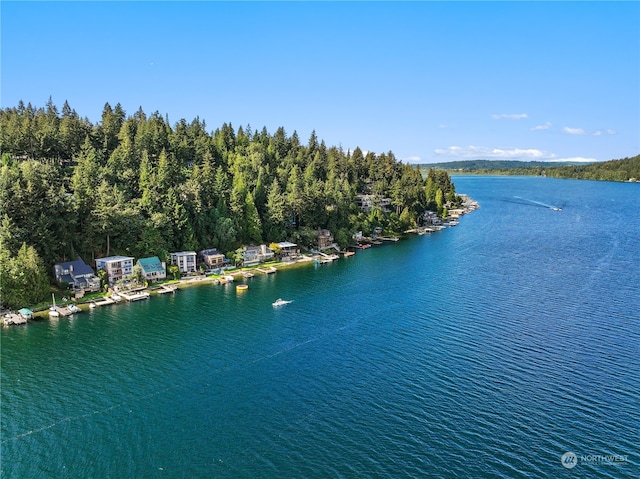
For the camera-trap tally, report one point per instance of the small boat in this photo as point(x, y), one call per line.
point(281, 302)
point(116, 297)
point(92, 304)
point(229, 278)
point(53, 311)
point(74, 309)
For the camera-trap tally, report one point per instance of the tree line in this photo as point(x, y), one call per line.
point(137, 186)
point(624, 169)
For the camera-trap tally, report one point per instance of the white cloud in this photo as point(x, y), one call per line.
point(475, 152)
point(611, 132)
point(471, 152)
point(573, 131)
point(597, 133)
point(510, 116)
point(546, 126)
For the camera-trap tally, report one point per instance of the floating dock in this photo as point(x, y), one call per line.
point(269, 270)
point(103, 302)
point(167, 289)
point(12, 318)
point(135, 296)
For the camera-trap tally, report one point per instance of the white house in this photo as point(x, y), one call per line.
point(117, 267)
point(185, 260)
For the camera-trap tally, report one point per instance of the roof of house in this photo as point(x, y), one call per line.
point(78, 266)
point(209, 252)
point(184, 253)
point(109, 259)
point(286, 244)
point(150, 265)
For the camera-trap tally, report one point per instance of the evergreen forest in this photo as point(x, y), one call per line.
point(137, 186)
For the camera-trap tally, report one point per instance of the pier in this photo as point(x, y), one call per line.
point(166, 288)
point(134, 296)
point(13, 318)
point(268, 270)
point(103, 302)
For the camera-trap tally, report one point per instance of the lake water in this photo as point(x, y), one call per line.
point(485, 350)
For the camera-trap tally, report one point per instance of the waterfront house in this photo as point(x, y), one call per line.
point(78, 274)
point(152, 268)
point(117, 267)
point(288, 251)
point(367, 202)
point(325, 239)
point(430, 218)
point(185, 261)
point(212, 258)
point(254, 255)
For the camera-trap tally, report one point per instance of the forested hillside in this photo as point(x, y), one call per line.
point(615, 170)
point(138, 186)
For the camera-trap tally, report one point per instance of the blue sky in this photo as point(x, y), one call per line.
point(430, 81)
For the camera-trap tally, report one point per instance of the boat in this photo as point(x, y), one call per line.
point(281, 302)
point(53, 311)
point(74, 309)
point(242, 287)
point(92, 304)
point(247, 274)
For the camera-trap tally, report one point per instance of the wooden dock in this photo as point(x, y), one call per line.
point(13, 318)
point(164, 289)
point(66, 311)
point(268, 270)
point(134, 296)
point(104, 302)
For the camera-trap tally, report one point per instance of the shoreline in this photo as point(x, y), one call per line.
point(171, 286)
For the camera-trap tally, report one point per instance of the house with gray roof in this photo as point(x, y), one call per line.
point(78, 274)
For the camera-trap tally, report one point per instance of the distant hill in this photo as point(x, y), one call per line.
point(626, 169)
point(473, 165)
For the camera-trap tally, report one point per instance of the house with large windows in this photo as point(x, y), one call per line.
point(116, 267)
point(288, 251)
point(254, 255)
point(185, 261)
point(367, 202)
point(212, 258)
